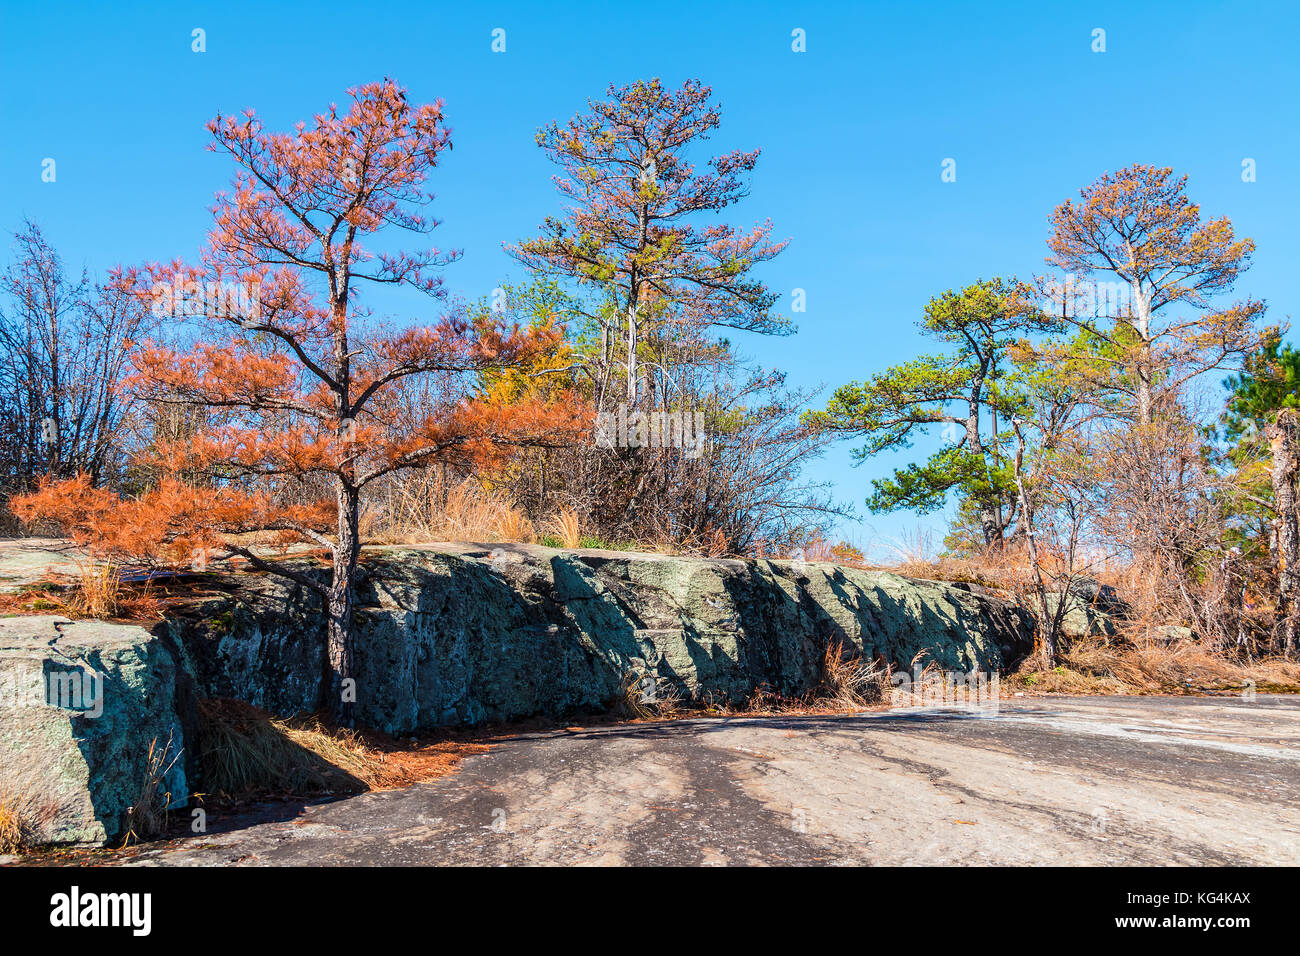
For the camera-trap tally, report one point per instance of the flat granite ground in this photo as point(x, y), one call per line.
point(25, 561)
point(1076, 781)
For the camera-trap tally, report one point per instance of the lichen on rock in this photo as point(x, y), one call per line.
point(463, 634)
point(81, 703)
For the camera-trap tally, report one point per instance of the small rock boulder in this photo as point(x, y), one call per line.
point(81, 706)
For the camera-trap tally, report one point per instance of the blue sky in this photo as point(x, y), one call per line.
point(853, 133)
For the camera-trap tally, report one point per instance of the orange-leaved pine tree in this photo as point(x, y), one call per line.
point(642, 223)
point(303, 389)
point(1161, 325)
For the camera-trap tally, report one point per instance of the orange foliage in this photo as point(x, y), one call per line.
point(300, 388)
point(173, 522)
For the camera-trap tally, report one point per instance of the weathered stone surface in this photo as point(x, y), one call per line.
point(451, 635)
point(1082, 619)
point(463, 634)
point(80, 705)
point(1101, 597)
point(1093, 609)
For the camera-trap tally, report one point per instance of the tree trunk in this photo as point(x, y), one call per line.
point(1234, 598)
point(1143, 367)
point(631, 355)
point(339, 606)
point(633, 303)
point(1048, 623)
point(1283, 437)
point(990, 526)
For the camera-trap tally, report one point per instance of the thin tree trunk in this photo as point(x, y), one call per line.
point(347, 550)
point(1047, 622)
point(56, 387)
point(1143, 370)
point(990, 527)
point(1283, 437)
point(633, 303)
point(631, 352)
point(340, 602)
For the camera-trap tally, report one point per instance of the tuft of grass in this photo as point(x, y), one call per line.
point(421, 507)
point(645, 697)
point(15, 829)
point(147, 816)
point(12, 836)
point(510, 524)
point(22, 819)
point(245, 752)
point(921, 690)
point(565, 528)
point(851, 683)
point(96, 591)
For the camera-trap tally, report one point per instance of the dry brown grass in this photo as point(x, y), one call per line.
point(513, 525)
point(245, 752)
point(645, 697)
point(847, 684)
point(1008, 569)
point(420, 509)
point(23, 819)
point(12, 835)
point(925, 685)
point(565, 527)
point(1119, 666)
point(1141, 659)
point(96, 592)
point(148, 814)
point(16, 823)
point(851, 682)
point(1003, 570)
